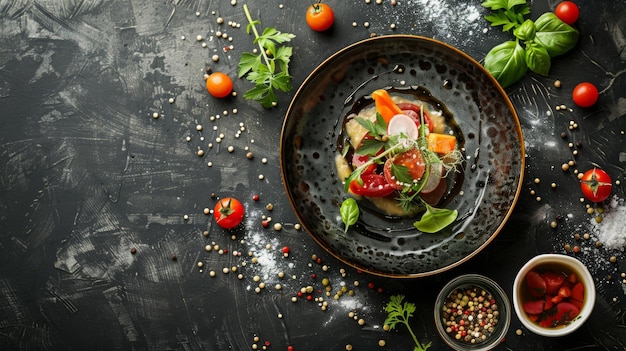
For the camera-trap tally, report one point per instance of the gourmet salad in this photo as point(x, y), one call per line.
point(403, 157)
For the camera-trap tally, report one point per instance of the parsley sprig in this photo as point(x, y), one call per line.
point(506, 13)
point(400, 312)
point(269, 69)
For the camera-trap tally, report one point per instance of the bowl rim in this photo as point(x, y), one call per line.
point(493, 288)
point(583, 273)
point(496, 85)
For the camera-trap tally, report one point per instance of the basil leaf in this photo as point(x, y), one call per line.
point(537, 58)
point(555, 35)
point(506, 62)
point(435, 219)
point(349, 212)
point(526, 31)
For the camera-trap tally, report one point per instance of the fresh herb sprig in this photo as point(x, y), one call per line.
point(269, 69)
point(534, 45)
point(400, 312)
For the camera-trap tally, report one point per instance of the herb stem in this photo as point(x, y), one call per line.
point(256, 35)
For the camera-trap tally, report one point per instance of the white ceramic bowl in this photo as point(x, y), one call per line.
point(545, 262)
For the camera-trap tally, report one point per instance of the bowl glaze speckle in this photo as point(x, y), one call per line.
point(493, 146)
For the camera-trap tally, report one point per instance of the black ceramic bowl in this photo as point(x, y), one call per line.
point(488, 186)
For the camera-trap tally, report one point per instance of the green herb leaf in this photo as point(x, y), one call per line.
point(526, 31)
point(401, 173)
point(248, 62)
point(377, 129)
point(261, 93)
point(502, 4)
point(537, 58)
point(507, 62)
point(501, 19)
point(370, 147)
point(268, 70)
point(435, 219)
point(555, 35)
point(349, 211)
point(400, 312)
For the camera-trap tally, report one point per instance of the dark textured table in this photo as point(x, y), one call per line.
point(103, 193)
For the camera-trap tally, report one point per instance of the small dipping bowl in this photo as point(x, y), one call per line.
point(491, 313)
point(555, 263)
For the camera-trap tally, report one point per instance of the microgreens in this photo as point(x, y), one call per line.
point(399, 312)
point(269, 69)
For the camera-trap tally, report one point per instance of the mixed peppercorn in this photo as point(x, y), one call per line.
point(470, 314)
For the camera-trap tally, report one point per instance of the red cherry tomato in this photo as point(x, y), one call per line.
point(219, 84)
point(585, 94)
point(567, 11)
point(228, 212)
point(320, 17)
point(374, 185)
point(596, 185)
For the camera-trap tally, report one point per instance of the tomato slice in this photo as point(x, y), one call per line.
point(412, 160)
point(374, 185)
point(414, 111)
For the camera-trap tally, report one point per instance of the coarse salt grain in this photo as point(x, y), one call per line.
point(611, 230)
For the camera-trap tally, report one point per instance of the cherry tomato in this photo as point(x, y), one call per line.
point(219, 84)
point(320, 17)
point(228, 212)
point(596, 185)
point(567, 11)
point(585, 94)
point(374, 185)
point(412, 160)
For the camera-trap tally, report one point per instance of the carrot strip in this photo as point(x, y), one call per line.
point(441, 143)
point(385, 105)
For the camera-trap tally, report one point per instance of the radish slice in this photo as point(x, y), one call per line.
point(402, 124)
point(434, 177)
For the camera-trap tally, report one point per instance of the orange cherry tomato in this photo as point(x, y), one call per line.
point(219, 84)
point(320, 17)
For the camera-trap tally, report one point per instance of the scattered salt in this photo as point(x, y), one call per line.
point(611, 230)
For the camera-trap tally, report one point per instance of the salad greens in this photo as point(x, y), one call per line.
point(534, 45)
point(399, 312)
point(381, 146)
